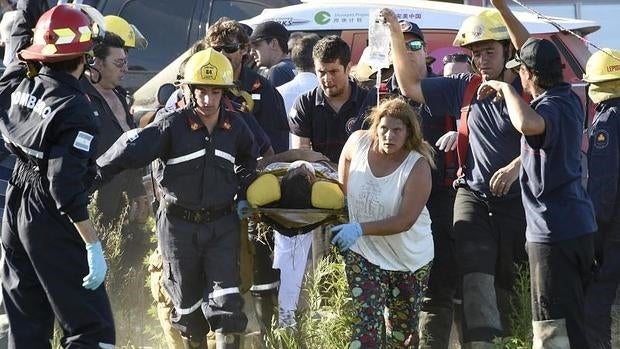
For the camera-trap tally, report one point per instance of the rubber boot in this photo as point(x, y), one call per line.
point(189, 344)
point(227, 341)
point(265, 307)
point(435, 327)
point(458, 322)
point(550, 334)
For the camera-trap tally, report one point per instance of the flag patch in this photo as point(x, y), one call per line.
point(82, 141)
point(132, 135)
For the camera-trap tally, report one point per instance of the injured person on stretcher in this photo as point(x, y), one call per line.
point(296, 194)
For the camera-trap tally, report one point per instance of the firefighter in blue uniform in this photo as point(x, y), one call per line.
point(54, 265)
point(255, 92)
point(207, 157)
point(261, 98)
point(603, 75)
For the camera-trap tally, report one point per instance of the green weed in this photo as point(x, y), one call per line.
point(326, 322)
point(520, 326)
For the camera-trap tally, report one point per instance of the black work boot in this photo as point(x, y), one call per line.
point(435, 327)
point(227, 341)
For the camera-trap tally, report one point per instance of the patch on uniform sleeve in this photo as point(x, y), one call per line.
point(601, 139)
point(82, 141)
point(256, 85)
point(349, 125)
point(256, 96)
point(132, 135)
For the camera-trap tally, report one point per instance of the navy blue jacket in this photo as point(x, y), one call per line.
point(263, 143)
point(268, 108)
point(604, 164)
point(51, 126)
point(197, 169)
point(7, 163)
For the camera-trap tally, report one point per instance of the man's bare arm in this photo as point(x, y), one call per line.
point(516, 29)
point(409, 80)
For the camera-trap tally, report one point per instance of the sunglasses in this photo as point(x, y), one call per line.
point(228, 48)
point(120, 63)
point(456, 58)
point(414, 45)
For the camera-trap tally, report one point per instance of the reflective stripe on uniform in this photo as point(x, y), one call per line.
point(223, 291)
point(265, 287)
point(37, 154)
point(187, 157)
point(225, 155)
point(106, 346)
point(193, 308)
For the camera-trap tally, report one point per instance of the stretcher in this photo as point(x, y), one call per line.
point(298, 221)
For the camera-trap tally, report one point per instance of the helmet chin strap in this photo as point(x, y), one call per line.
point(192, 98)
point(500, 76)
point(91, 76)
point(507, 56)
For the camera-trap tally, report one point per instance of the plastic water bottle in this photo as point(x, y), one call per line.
point(378, 41)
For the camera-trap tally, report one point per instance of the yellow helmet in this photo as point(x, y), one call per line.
point(603, 66)
point(128, 32)
point(487, 25)
point(208, 67)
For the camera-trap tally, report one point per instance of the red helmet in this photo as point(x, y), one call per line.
point(62, 33)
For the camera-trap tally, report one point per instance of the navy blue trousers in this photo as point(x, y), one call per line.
point(45, 261)
point(201, 274)
point(602, 299)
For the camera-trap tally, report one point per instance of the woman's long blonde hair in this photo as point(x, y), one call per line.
point(399, 109)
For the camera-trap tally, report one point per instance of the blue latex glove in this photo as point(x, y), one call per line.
point(96, 266)
point(346, 235)
point(243, 209)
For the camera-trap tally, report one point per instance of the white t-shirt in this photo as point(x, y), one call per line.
point(371, 198)
point(301, 83)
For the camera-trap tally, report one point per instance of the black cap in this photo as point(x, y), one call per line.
point(269, 30)
point(539, 55)
point(247, 29)
point(411, 28)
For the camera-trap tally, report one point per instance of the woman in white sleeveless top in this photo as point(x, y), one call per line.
point(388, 246)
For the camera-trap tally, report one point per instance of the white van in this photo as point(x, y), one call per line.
point(439, 21)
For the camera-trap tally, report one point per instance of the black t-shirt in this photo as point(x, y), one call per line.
point(312, 117)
